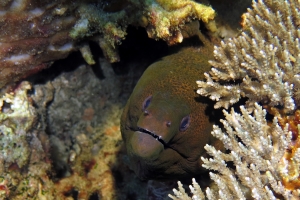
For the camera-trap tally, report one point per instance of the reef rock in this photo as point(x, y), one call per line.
point(33, 34)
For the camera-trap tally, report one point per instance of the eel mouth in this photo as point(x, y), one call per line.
point(156, 137)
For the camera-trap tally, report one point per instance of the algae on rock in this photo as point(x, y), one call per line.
point(23, 162)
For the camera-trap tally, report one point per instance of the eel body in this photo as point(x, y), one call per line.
point(165, 124)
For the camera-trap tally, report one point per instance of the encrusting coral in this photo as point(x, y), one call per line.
point(290, 161)
point(33, 34)
point(166, 18)
point(261, 64)
point(16, 118)
point(21, 149)
point(61, 139)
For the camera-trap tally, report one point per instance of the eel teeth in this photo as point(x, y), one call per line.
point(157, 137)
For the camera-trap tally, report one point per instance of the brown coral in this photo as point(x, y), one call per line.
point(290, 171)
point(33, 35)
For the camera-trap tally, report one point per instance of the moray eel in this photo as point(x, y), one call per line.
point(165, 124)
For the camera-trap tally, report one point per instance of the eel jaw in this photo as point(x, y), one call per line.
point(165, 144)
point(157, 137)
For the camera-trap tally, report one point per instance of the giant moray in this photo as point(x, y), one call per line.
point(165, 124)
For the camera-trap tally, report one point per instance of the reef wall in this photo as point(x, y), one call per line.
point(33, 34)
point(60, 135)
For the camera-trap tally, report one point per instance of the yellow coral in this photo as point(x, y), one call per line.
point(166, 18)
point(290, 162)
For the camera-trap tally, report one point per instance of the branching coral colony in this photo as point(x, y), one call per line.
point(264, 59)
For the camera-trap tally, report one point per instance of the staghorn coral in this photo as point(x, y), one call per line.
point(258, 150)
point(33, 34)
point(261, 64)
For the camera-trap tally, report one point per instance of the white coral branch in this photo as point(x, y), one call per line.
point(265, 58)
point(256, 149)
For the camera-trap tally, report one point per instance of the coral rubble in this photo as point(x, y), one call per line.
point(33, 34)
point(261, 64)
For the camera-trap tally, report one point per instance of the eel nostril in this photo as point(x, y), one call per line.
point(168, 123)
point(146, 112)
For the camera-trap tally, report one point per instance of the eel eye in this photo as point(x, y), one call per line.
point(184, 124)
point(146, 102)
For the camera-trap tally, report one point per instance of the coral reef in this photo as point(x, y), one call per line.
point(165, 18)
point(257, 149)
point(290, 161)
point(261, 64)
point(162, 20)
point(17, 117)
point(33, 34)
point(22, 149)
point(83, 150)
point(84, 134)
point(60, 139)
point(90, 175)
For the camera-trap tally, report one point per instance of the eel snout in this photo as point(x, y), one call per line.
point(145, 144)
point(157, 137)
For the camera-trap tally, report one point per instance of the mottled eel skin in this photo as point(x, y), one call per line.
point(164, 124)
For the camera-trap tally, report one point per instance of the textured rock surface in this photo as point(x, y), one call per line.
point(33, 34)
